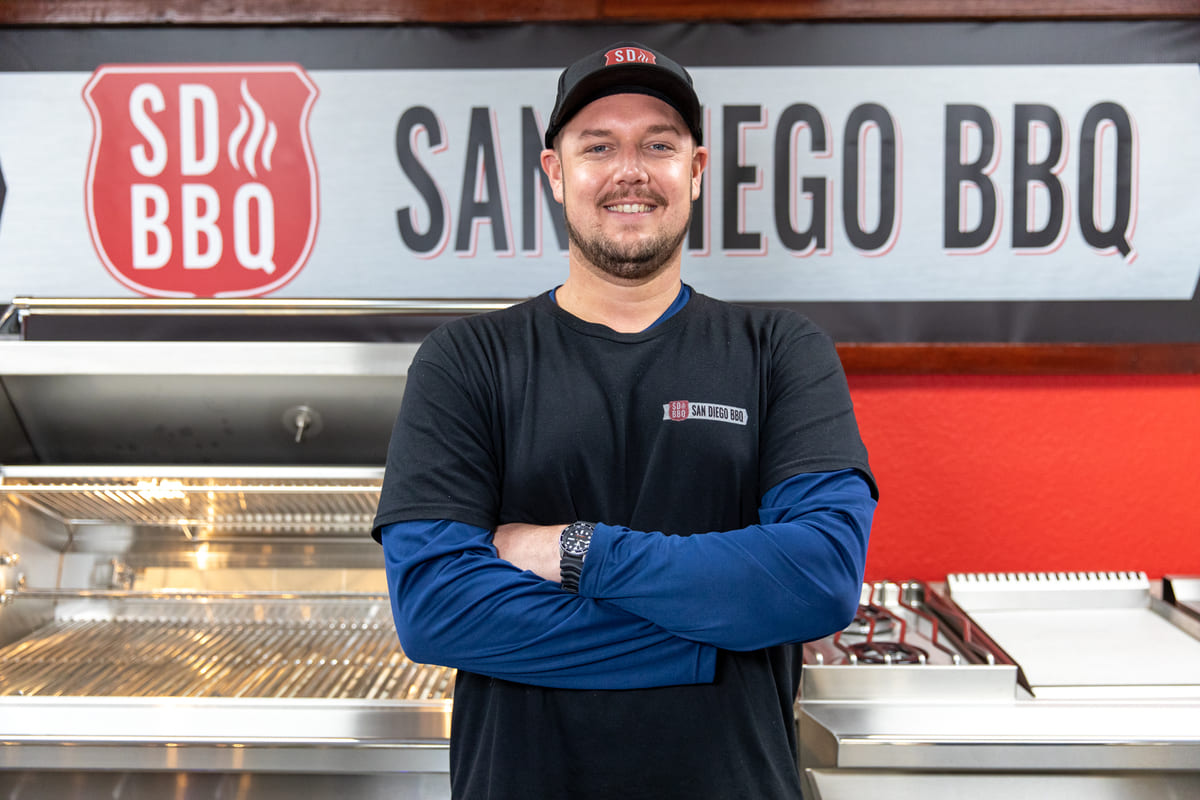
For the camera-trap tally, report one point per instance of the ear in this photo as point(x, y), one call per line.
point(552, 166)
point(699, 164)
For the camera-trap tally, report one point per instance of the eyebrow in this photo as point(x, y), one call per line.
point(653, 130)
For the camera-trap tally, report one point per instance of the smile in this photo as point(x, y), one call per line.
point(630, 208)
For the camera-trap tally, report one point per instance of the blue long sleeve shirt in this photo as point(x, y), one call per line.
point(652, 609)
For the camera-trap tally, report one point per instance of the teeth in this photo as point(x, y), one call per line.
point(630, 208)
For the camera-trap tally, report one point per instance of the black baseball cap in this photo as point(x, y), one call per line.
point(624, 68)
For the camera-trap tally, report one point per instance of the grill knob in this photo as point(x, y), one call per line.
point(302, 422)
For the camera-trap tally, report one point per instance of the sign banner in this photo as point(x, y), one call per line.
point(929, 198)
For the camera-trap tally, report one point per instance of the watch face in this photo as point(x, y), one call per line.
point(575, 539)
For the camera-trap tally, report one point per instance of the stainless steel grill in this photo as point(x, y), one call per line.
point(219, 646)
point(187, 583)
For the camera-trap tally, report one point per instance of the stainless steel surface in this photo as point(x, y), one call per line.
point(899, 623)
point(117, 360)
point(304, 421)
point(901, 645)
point(9, 575)
point(1183, 592)
point(1047, 591)
point(202, 402)
point(14, 446)
point(328, 499)
point(1061, 628)
point(204, 517)
point(908, 682)
point(963, 727)
point(907, 785)
point(107, 784)
point(240, 682)
point(161, 644)
point(210, 734)
point(962, 735)
point(115, 390)
point(23, 307)
point(194, 692)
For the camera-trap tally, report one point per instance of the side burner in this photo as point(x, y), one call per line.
point(904, 623)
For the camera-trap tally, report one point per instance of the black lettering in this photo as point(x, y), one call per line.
point(482, 162)
point(974, 173)
point(412, 120)
point(813, 237)
point(1027, 175)
point(1098, 117)
point(697, 232)
point(860, 119)
point(736, 175)
point(535, 180)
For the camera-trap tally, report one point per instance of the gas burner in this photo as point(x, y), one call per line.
point(883, 622)
point(886, 653)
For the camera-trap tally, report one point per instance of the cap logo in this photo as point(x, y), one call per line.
point(628, 55)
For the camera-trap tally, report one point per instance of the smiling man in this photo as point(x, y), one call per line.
point(617, 508)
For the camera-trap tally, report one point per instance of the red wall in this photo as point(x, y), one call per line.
point(1032, 474)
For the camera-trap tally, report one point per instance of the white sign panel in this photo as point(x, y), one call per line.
point(991, 183)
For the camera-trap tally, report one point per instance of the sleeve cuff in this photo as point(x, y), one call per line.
point(595, 564)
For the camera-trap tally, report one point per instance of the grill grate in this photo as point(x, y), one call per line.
point(244, 650)
point(327, 504)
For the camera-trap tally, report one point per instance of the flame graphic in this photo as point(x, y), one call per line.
point(261, 126)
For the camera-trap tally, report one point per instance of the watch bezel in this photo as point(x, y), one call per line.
point(576, 539)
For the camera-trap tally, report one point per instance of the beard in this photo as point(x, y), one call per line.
point(634, 261)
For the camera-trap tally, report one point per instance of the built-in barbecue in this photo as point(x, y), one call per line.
point(190, 603)
point(1003, 685)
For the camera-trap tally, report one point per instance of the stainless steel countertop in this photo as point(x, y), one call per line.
point(1022, 735)
point(293, 735)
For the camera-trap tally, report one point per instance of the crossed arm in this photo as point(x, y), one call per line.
point(651, 610)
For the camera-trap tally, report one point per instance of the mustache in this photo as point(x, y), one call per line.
point(646, 196)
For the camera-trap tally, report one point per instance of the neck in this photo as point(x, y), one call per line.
point(625, 306)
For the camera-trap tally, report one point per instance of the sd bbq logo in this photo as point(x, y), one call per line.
point(628, 55)
point(201, 180)
point(684, 410)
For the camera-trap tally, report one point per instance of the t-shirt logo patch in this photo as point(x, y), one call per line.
point(681, 410)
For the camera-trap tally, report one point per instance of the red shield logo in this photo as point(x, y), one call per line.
point(201, 180)
point(679, 410)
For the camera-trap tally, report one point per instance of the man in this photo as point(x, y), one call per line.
point(616, 507)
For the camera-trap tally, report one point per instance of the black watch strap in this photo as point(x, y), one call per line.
point(573, 544)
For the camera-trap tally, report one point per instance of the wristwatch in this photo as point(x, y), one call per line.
point(573, 544)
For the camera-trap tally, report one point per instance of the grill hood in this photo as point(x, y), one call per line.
point(313, 382)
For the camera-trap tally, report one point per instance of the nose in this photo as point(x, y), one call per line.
point(631, 169)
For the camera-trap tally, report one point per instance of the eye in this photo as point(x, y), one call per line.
point(598, 148)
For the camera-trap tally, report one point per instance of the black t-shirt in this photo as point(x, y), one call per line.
point(530, 414)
